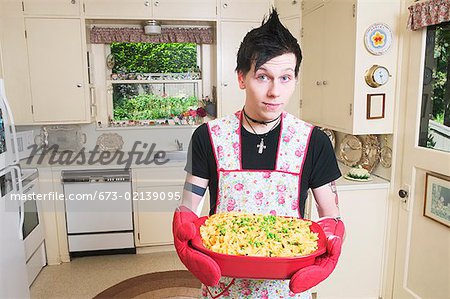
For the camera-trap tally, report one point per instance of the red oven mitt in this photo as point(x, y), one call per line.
point(310, 276)
point(201, 265)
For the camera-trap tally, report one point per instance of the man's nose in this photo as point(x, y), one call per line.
point(275, 89)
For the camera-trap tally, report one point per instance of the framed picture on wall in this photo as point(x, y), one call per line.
point(437, 198)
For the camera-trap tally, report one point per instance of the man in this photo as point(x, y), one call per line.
point(261, 160)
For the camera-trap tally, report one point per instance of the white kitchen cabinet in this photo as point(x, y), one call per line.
point(293, 107)
point(334, 92)
point(184, 9)
point(159, 191)
point(118, 9)
point(15, 62)
point(52, 7)
point(358, 273)
point(248, 10)
point(158, 9)
point(288, 8)
point(232, 33)
point(58, 70)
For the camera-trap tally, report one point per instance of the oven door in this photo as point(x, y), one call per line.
point(32, 229)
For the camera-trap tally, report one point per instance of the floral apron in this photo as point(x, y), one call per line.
point(274, 192)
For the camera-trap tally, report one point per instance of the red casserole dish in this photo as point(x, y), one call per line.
point(258, 267)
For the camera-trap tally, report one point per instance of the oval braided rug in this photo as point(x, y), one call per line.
point(169, 284)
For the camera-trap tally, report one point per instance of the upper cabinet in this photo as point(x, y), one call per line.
point(15, 61)
point(184, 9)
point(132, 9)
point(58, 70)
point(244, 9)
point(158, 9)
point(52, 7)
point(335, 93)
point(288, 8)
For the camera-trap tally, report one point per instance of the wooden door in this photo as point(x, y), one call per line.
point(58, 63)
point(422, 249)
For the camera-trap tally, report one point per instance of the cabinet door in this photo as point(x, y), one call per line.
point(288, 8)
point(312, 69)
point(244, 9)
point(57, 70)
point(232, 97)
point(184, 9)
point(15, 62)
point(293, 106)
point(155, 208)
point(358, 273)
point(52, 7)
point(339, 69)
point(118, 8)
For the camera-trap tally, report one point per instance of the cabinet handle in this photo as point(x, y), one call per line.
point(73, 1)
point(156, 3)
point(225, 5)
point(318, 83)
point(325, 82)
point(79, 85)
point(146, 3)
point(225, 84)
point(294, 2)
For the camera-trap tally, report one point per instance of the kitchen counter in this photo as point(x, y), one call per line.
point(345, 184)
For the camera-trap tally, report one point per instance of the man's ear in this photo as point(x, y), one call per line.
point(240, 77)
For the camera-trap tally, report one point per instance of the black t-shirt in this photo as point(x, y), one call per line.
point(320, 166)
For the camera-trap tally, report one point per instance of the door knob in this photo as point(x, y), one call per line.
point(402, 193)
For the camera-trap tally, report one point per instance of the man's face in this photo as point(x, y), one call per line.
point(269, 88)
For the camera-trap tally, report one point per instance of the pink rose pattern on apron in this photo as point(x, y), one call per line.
point(273, 192)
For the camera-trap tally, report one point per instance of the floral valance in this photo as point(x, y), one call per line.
point(427, 13)
point(102, 35)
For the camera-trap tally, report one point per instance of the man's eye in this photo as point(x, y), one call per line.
point(262, 77)
point(285, 78)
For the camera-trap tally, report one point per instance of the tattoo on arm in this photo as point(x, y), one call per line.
point(200, 191)
point(333, 189)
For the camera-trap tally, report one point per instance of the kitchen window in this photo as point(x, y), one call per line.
point(155, 83)
point(142, 80)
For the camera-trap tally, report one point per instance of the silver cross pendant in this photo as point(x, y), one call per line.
point(261, 146)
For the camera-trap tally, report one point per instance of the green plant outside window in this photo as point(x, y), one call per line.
point(148, 101)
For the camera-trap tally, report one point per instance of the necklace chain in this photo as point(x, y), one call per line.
point(261, 146)
point(262, 122)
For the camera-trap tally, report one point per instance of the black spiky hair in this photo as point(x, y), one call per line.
point(268, 41)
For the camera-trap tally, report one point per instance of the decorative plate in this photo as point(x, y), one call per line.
point(386, 156)
point(330, 135)
point(370, 152)
point(110, 61)
point(350, 150)
point(110, 142)
point(357, 180)
point(378, 38)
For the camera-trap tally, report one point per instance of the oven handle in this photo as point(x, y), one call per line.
point(22, 202)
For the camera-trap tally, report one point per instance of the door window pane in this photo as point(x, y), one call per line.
point(435, 110)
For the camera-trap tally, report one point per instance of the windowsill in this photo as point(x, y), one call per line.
point(155, 127)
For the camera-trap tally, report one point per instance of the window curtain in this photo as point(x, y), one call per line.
point(427, 13)
point(102, 35)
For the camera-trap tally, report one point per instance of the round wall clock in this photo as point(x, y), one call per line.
point(378, 38)
point(377, 76)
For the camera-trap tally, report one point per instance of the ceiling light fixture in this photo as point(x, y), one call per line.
point(152, 28)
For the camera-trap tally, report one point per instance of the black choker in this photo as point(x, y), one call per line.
point(262, 122)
